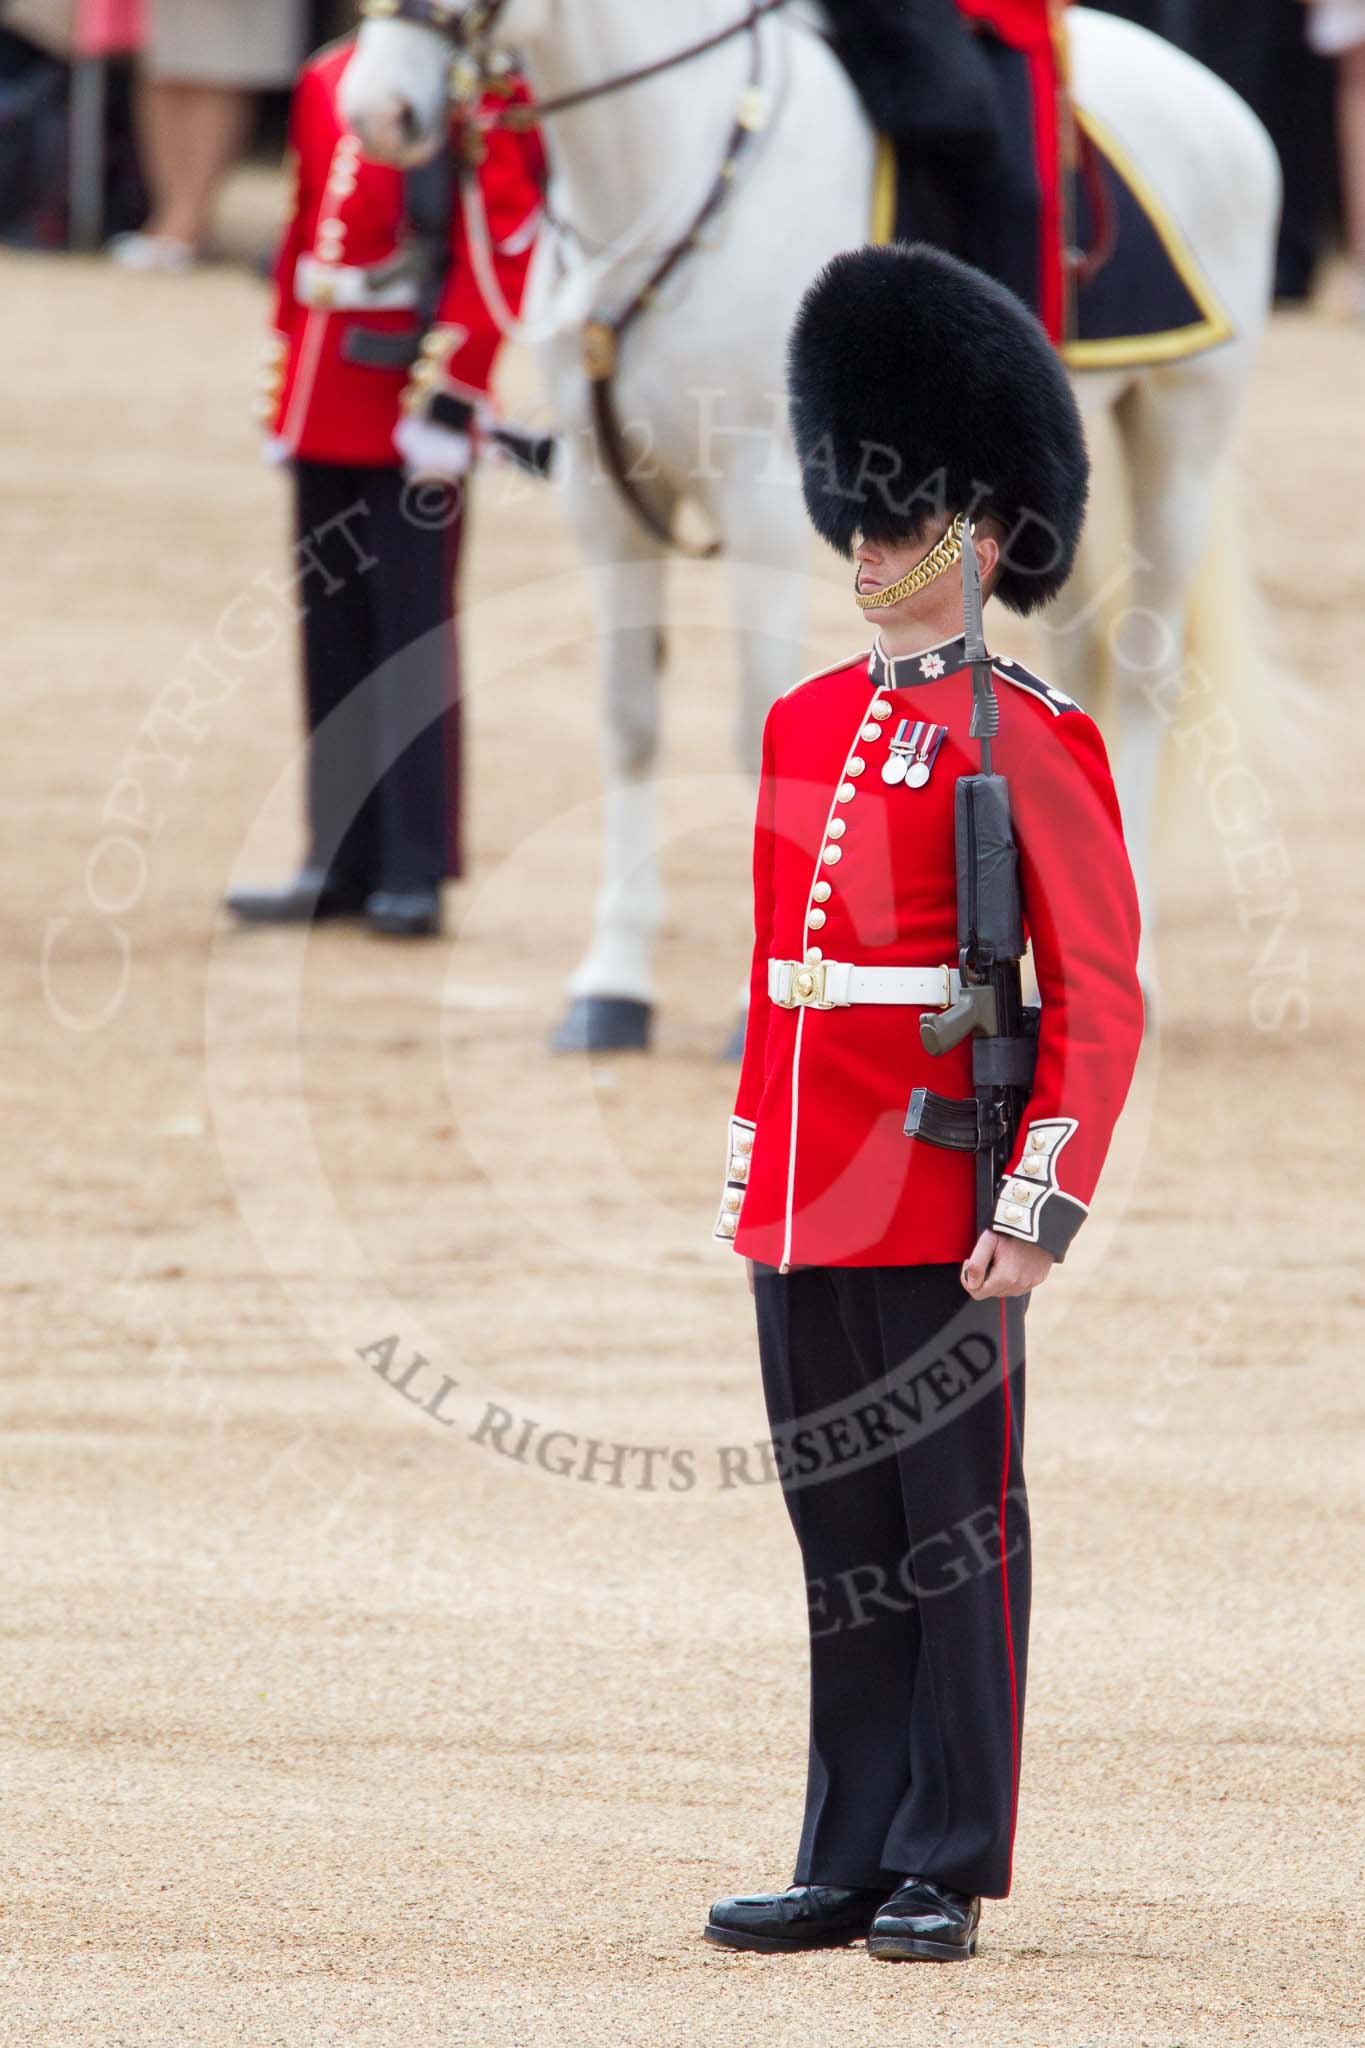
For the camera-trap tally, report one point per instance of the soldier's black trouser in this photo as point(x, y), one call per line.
point(897, 1411)
point(377, 565)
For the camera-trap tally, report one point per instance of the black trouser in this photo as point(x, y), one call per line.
point(899, 1438)
point(378, 566)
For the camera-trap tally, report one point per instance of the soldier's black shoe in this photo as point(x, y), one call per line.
point(311, 896)
point(804, 1916)
point(404, 913)
point(924, 1922)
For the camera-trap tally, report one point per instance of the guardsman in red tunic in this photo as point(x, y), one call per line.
point(890, 1322)
point(377, 395)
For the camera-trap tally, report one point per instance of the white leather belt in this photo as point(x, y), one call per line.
point(349, 288)
point(834, 984)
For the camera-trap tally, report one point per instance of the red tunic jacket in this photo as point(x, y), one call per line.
point(819, 1171)
point(1023, 24)
point(347, 214)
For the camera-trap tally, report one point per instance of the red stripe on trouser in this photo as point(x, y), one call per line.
point(1005, 1582)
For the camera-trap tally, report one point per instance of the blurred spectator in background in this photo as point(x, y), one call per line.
point(203, 63)
point(1336, 28)
point(69, 170)
point(1260, 48)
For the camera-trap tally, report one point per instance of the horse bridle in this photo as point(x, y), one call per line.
point(468, 30)
point(460, 24)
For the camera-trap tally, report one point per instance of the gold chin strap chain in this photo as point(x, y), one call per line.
point(940, 558)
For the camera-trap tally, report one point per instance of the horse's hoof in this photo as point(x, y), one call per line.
point(604, 1024)
point(734, 1044)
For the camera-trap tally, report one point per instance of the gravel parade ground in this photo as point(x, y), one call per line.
point(404, 1641)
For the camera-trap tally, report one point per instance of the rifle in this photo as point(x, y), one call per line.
point(990, 929)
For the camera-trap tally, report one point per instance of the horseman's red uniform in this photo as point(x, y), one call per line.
point(1036, 29)
point(1023, 24)
point(850, 870)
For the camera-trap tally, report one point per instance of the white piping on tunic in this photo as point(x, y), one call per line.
point(301, 397)
point(841, 778)
point(314, 329)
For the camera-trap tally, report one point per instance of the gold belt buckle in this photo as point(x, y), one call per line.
point(808, 985)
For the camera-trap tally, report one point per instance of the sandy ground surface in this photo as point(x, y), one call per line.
point(328, 1721)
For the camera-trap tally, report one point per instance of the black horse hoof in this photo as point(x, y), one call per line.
point(604, 1024)
point(734, 1044)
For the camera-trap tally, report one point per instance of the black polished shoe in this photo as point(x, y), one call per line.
point(404, 913)
point(311, 896)
point(804, 1916)
point(925, 1922)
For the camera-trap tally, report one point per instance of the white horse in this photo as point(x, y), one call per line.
point(703, 366)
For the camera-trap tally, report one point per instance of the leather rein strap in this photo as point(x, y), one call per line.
point(1087, 264)
point(566, 101)
point(603, 334)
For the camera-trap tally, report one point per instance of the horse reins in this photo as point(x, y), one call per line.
point(603, 334)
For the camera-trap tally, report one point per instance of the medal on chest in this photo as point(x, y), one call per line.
point(912, 753)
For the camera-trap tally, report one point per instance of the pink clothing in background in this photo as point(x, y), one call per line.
point(106, 26)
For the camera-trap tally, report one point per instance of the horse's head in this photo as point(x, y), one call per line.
point(396, 88)
point(398, 84)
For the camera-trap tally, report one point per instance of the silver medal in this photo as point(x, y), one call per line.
point(902, 752)
point(916, 776)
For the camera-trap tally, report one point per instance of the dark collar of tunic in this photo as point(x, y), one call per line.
point(926, 665)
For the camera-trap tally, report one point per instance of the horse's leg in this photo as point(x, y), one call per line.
point(1071, 630)
point(768, 564)
point(611, 994)
point(1176, 423)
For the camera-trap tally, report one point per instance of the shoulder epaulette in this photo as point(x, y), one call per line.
point(848, 661)
point(1014, 672)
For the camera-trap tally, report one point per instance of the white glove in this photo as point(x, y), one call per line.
point(429, 450)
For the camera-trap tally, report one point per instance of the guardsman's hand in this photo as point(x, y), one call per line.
point(429, 450)
point(749, 1269)
point(1001, 1267)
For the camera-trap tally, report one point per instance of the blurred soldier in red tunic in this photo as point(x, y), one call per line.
point(377, 374)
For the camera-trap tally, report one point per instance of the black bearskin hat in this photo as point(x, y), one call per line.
point(920, 388)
